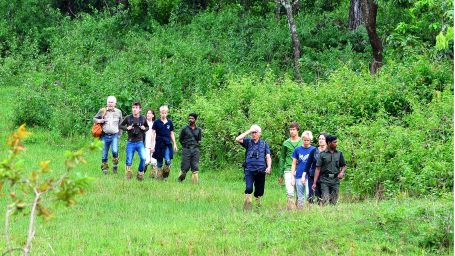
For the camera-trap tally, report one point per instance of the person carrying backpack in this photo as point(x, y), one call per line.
point(136, 125)
point(258, 163)
point(110, 117)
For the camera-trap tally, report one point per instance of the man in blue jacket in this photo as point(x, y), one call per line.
point(257, 164)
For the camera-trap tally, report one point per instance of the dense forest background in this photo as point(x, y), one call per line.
point(241, 62)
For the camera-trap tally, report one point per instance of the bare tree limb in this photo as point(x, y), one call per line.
point(9, 211)
point(31, 226)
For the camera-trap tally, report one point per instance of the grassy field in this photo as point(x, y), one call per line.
point(119, 217)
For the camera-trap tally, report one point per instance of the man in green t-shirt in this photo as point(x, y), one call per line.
point(287, 149)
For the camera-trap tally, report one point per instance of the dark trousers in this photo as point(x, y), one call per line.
point(257, 179)
point(190, 159)
point(329, 192)
point(314, 195)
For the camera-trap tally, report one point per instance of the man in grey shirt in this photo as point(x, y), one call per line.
point(110, 117)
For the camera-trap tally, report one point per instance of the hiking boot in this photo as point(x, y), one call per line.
point(159, 173)
point(300, 204)
point(248, 202)
point(140, 176)
point(166, 171)
point(128, 173)
point(115, 165)
point(258, 202)
point(104, 168)
point(195, 177)
point(182, 176)
point(153, 172)
point(290, 204)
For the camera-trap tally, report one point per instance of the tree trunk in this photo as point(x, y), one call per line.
point(295, 39)
point(125, 3)
point(277, 10)
point(355, 14)
point(371, 12)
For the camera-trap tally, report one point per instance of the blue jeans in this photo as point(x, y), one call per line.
point(167, 158)
point(300, 188)
point(109, 141)
point(135, 146)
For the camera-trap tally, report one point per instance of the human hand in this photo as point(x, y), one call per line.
point(142, 127)
point(303, 180)
point(293, 181)
point(314, 186)
point(152, 150)
point(129, 127)
point(175, 148)
point(340, 175)
point(268, 170)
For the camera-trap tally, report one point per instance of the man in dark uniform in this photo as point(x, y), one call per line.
point(190, 136)
point(330, 167)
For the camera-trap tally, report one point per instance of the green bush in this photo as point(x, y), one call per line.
point(387, 151)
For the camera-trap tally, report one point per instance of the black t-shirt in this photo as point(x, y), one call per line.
point(190, 138)
point(136, 134)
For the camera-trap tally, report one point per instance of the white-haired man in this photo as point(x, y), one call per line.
point(110, 117)
point(257, 164)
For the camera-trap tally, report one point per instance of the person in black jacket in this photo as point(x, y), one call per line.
point(190, 136)
point(136, 125)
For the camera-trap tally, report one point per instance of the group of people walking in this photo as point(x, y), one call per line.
point(153, 140)
point(311, 174)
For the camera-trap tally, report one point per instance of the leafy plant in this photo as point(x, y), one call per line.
point(22, 185)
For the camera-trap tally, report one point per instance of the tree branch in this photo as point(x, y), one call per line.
point(31, 226)
point(9, 211)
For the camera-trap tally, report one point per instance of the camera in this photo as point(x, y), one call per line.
point(255, 154)
point(136, 128)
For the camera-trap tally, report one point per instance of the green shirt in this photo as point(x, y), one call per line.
point(330, 163)
point(286, 153)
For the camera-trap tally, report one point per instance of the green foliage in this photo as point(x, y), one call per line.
point(21, 185)
point(231, 62)
point(443, 39)
point(421, 22)
point(394, 137)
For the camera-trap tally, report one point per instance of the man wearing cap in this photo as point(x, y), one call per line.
point(257, 164)
point(190, 136)
point(330, 168)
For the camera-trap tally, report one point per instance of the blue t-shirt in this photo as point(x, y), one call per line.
point(301, 154)
point(255, 154)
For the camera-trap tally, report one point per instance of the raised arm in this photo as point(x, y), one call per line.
point(242, 136)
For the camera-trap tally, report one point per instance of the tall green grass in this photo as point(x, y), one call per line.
point(119, 217)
